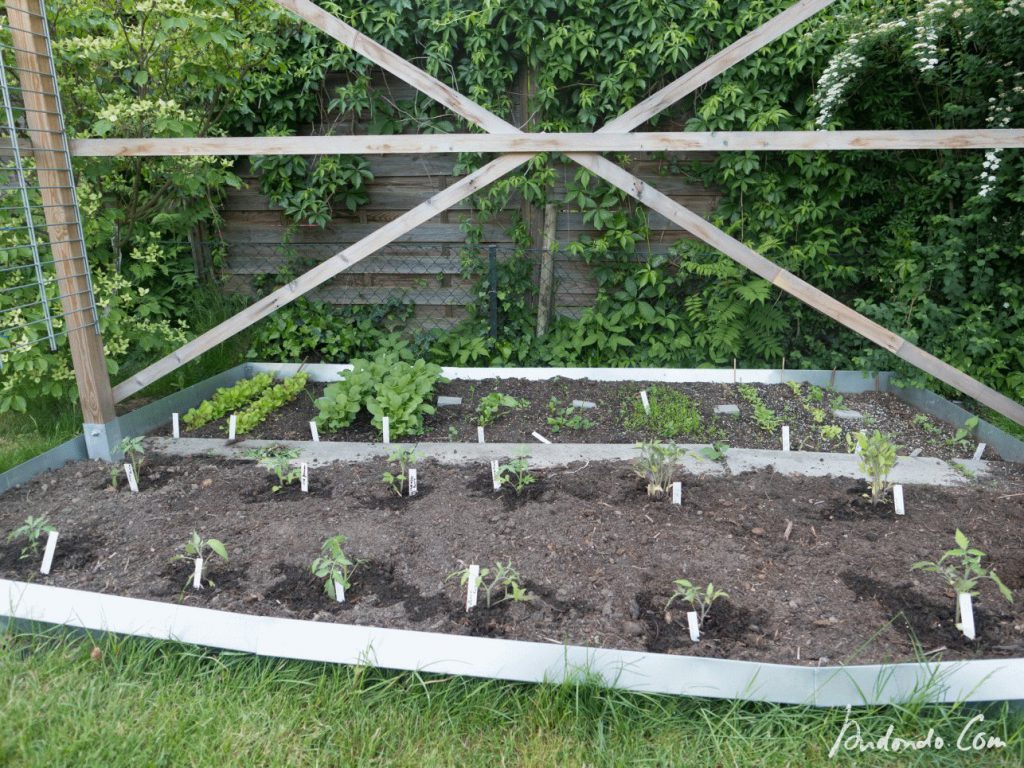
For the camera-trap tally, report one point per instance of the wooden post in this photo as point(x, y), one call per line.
point(547, 270)
point(49, 147)
point(533, 214)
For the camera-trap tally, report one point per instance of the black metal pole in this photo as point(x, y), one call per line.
point(492, 291)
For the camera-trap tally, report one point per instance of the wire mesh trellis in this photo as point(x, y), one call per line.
point(35, 161)
point(425, 286)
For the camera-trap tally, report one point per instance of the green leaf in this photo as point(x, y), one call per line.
point(961, 539)
point(218, 548)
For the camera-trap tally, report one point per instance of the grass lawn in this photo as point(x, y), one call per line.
point(135, 702)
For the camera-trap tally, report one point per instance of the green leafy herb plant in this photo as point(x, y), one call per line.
point(227, 400)
point(565, 417)
point(656, 465)
point(765, 417)
point(672, 414)
point(877, 458)
point(133, 450)
point(496, 404)
point(271, 400)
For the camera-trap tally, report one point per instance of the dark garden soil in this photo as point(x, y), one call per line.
point(815, 573)
point(615, 401)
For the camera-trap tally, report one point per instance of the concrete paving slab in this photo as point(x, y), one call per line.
point(908, 471)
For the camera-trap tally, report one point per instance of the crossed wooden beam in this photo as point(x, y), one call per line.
point(582, 148)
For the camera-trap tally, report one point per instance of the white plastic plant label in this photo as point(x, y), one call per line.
point(339, 591)
point(314, 432)
point(386, 427)
point(785, 438)
point(677, 493)
point(979, 451)
point(133, 482)
point(966, 615)
point(540, 438)
point(197, 574)
point(175, 426)
point(304, 477)
point(472, 587)
point(232, 426)
point(48, 553)
point(691, 620)
point(897, 500)
point(479, 434)
point(645, 401)
point(494, 475)
point(413, 482)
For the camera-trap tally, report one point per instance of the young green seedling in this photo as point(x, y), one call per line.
point(831, 432)
point(504, 580)
point(560, 418)
point(517, 472)
point(496, 404)
point(715, 451)
point(405, 458)
point(960, 438)
point(199, 551)
point(32, 531)
point(135, 452)
point(335, 567)
point(699, 599)
point(961, 569)
point(278, 461)
point(877, 458)
point(656, 465)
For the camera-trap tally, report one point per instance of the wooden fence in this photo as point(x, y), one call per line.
point(423, 267)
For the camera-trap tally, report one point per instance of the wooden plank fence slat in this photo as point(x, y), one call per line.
point(602, 141)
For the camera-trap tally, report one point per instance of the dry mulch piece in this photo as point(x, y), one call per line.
point(614, 400)
point(598, 555)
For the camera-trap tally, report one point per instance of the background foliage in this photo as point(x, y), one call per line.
point(927, 243)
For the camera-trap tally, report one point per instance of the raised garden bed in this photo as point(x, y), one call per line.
point(597, 553)
point(615, 417)
point(819, 581)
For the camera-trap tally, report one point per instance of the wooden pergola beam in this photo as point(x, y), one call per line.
point(724, 141)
